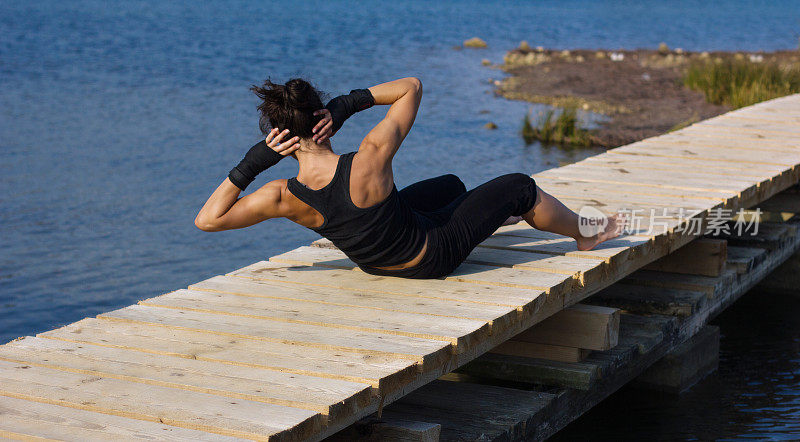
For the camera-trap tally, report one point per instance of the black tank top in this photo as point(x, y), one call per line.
point(385, 234)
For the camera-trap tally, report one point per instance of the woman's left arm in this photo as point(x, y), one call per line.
point(224, 209)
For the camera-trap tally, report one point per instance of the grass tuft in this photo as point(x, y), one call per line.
point(739, 83)
point(552, 128)
point(686, 123)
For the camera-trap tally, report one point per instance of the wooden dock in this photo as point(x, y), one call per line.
point(301, 346)
point(500, 397)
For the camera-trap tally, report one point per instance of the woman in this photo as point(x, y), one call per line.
point(424, 231)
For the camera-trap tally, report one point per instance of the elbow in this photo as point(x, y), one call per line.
point(416, 85)
point(205, 225)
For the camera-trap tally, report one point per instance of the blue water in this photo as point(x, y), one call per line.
point(117, 120)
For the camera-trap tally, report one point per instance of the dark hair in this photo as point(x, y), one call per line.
point(288, 106)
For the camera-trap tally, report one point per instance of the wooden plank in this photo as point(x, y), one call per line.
point(588, 271)
point(429, 352)
point(477, 398)
point(472, 273)
point(333, 398)
point(409, 303)
point(458, 331)
point(609, 203)
point(753, 131)
point(530, 370)
point(305, 276)
point(743, 259)
point(784, 176)
point(564, 265)
point(580, 325)
point(664, 183)
point(621, 259)
point(665, 179)
point(704, 256)
point(769, 235)
point(651, 300)
point(614, 159)
point(32, 420)
point(185, 409)
point(525, 238)
point(720, 142)
point(459, 421)
point(706, 284)
point(562, 188)
point(551, 284)
point(543, 351)
point(652, 148)
point(384, 372)
point(745, 129)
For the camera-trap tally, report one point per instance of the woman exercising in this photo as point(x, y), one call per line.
point(425, 230)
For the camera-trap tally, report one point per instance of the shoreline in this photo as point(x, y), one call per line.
point(640, 91)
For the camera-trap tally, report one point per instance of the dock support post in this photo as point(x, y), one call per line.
point(685, 365)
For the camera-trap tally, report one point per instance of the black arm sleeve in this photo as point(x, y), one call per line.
point(344, 106)
point(258, 159)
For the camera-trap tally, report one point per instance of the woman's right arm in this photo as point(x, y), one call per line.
point(404, 96)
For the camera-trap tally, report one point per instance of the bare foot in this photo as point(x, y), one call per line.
point(512, 220)
point(611, 231)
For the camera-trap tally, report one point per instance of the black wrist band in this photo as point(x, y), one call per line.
point(258, 159)
point(344, 106)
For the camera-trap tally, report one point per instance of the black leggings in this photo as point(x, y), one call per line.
point(457, 220)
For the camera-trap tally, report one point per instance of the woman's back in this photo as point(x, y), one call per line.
point(385, 233)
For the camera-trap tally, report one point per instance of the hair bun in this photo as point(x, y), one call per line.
point(296, 92)
point(288, 106)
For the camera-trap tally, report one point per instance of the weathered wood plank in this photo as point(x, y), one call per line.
point(409, 303)
point(527, 239)
point(704, 256)
point(31, 420)
point(651, 300)
point(458, 331)
point(652, 148)
point(562, 188)
point(564, 265)
point(542, 351)
point(665, 179)
point(580, 325)
point(717, 142)
point(459, 420)
point(347, 279)
point(702, 165)
point(186, 409)
point(381, 371)
point(428, 351)
point(706, 284)
point(743, 259)
point(611, 204)
point(331, 397)
point(480, 274)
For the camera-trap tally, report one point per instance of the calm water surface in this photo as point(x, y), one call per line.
point(116, 122)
